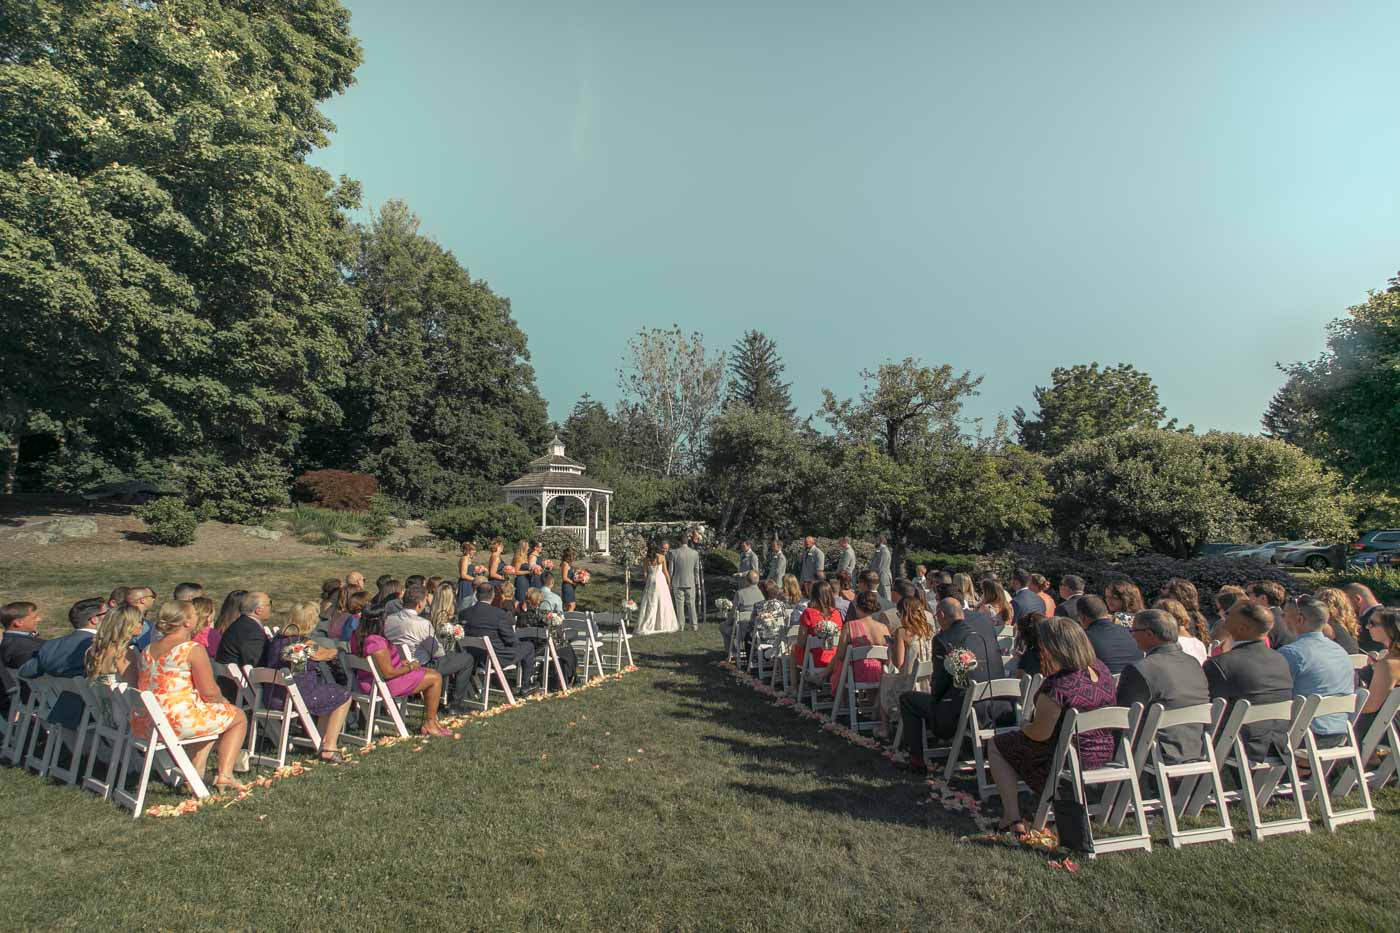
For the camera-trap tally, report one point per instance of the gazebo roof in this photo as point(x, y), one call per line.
point(555, 471)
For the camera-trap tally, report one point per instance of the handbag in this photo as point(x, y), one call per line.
point(1071, 820)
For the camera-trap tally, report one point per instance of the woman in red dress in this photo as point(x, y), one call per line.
point(822, 608)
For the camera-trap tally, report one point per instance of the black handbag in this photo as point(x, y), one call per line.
point(1071, 820)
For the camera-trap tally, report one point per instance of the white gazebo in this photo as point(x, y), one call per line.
point(555, 476)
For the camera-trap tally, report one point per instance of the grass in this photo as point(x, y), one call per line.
point(674, 799)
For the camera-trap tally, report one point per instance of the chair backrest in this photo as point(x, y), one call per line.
point(1162, 718)
point(1381, 724)
point(1358, 661)
point(1003, 688)
point(354, 663)
point(260, 676)
point(868, 653)
point(1329, 706)
point(8, 683)
point(605, 618)
point(1107, 717)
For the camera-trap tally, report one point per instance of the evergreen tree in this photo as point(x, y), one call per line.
point(756, 376)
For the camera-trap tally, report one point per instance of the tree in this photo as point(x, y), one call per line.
point(1351, 394)
point(441, 404)
point(1085, 402)
point(590, 434)
point(169, 264)
point(756, 376)
point(673, 389)
point(1290, 417)
point(1282, 490)
point(904, 414)
point(753, 460)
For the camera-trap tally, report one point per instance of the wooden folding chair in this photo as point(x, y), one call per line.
point(971, 729)
point(491, 669)
point(277, 723)
point(1147, 753)
point(1118, 771)
point(369, 704)
point(1381, 730)
point(1322, 759)
point(847, 687)
point(113, 735)
point(161, 739)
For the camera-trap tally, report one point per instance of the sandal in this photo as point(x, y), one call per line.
point(335, 757)
point(232, 784)
point(434, 730)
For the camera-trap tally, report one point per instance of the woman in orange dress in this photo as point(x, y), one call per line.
point(177, 671)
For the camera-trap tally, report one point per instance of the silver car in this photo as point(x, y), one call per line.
point(1310, 554)
point(1264, 552)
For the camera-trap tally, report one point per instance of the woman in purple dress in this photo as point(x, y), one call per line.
point(1074, 679)
point(324, 698)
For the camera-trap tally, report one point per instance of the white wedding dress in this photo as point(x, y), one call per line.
point(657, 612)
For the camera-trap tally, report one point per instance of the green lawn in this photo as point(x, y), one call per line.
point(675, 798)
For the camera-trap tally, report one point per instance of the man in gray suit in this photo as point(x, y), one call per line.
point(1023, 601)
point(777, 564)
point(847, 561)
point(1167, 675)
point(741, 622)
point(813, 564)
point(880, 563)
point(685, 581)
point(748, 560)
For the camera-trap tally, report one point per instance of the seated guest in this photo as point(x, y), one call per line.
point(413, 635)
point(1024, 600)
point(177, 672)
point(821, 608)
point(770, 617)
point(533, 618)
point(550, 601)
point(1185, 628)
point(912, 643)
point(740, 623)
point(1074, 679)
point(331, 598)
point(1272, 596)
point(941, 707)
point(486, 620)
point(343, 625)
point(1384, 627)
point(109, 655)
point(1040, 586)
point(228, 613)
point(792, 595)
point(65, 657)
point(963, 590)
point(842, 593)
point(205, 635)
point(325, 699)
point(1111, 642)
point(244, 642)
point(188, 592)
point(869, 581)
point(1319, 666)
point(389, 598)
point(403, 678)
point(1364, 604)
point(863, 631)
point(1225, 599)
point(1166, 675)
point(1341, 619)
point(1071, 588)
point(1252, 671)
point(1028, 645)
point(1185, 593)
point(1124, 600)
point(994, 603)
point(20, 643)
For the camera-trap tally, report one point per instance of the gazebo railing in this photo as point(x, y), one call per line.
point(580, 532)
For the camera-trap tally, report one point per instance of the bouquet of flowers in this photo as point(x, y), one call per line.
point(828, 631)
point(724, 605)
point(448, 633)
point(630, 605)
point(298, 655)
point(508, 569)
point(581, 577)
point(548, 565)
point(960, 664)
point(553, 617)
point(771, 616)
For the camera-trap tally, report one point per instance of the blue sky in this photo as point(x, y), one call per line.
point(1006, 187)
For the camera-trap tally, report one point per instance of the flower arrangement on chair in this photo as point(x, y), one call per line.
point(448, 633)
point(724, 605)
point(828, 631)
point(960, 664)
point(298, 655)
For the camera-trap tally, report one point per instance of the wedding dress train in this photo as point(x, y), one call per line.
point(657, 613)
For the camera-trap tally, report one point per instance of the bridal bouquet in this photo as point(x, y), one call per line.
point(960, 664)
point(828, 631)
point(508, 569)
point(298, 655)
point(724, 605)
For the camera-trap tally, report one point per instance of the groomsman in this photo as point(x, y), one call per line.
point(777, 564)
point(748, 560)
point(880, 563)
point(847, 560)
point(813, 564)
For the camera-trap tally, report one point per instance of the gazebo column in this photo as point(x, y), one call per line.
point(607, 520)
point(587, 528)
point(544, 511)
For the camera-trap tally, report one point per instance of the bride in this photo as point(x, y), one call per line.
point(657, 613)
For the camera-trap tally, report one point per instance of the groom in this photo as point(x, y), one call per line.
point(685, 580)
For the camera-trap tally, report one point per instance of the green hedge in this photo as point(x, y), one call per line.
point(481, 523)
point(721, 561)
point(936, 561)
point(169, 521)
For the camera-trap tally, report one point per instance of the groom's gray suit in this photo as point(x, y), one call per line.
point(881, 565)
point(685, 582)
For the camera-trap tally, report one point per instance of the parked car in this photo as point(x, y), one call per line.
point(1218, 548)
point(1259, 551)
point(1367, 559)
point(1381, 540)
point(1310, 554)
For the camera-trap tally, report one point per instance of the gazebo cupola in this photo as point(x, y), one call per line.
point(555, 476)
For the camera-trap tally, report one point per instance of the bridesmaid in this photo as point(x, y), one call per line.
point(536, 564)
point(465, 576)
point(521, 562)
point(494, 564)
point(566, 580)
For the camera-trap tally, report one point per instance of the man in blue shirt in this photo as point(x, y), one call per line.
point(549, 600)
point(1320, 666)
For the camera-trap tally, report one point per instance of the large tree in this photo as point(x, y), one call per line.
point(671, 390)
point(169, 264)
point(756, 376)
point(441, 404)
point(753, 460)
point(1085, 402)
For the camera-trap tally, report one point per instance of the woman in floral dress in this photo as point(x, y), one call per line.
point(912, 643)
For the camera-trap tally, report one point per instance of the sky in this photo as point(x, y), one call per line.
point(1193, 188)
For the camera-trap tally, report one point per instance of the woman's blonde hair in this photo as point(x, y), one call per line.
point(1177, 611)
point(203, 612)
point(444, 604)
point(792, 590)
point(533, 598)
point(962, 587)
point(119, 626)
point(1066, 644)
point(522, 553)
point(302, 619)
point(1339, 609)
point(173, 614)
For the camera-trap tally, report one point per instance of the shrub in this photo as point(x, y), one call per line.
point(315, 525)
point(336, 489)
point(169, 521)
point(239, 492)
point(936, 560)
point(378, 522)
point(1383, 581)
point(553, 541)
point(481, 523)
point(721, 561)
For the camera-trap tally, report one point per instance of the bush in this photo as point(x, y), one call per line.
point(169, 521)
point(336, 489)
point(378, 522)
point(481, 523)
point(936, 560)
point(721, 561)
point(239, 492)
point(322, 526)
point(1383, 581)
point(553, 541)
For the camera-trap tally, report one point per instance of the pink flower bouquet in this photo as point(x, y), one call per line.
point(581, 577)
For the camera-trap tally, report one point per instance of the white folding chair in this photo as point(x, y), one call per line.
point(44, 691)
point(1381, 730)
point(278, 722)
point(491, 669)
point(161, 739)
point(370, 704)
point(1260, 781)
point(782, 658)
point(1147, 753)
point(847, 687)
point(611, 629)
point(923, 673)
point(1118, 771)
point(1359, 661)
point(76, 741)
point(586, 644)
point(814, 678)
point(546, 660)
point(113, 735)
point(971, 729)
point(1321, 760)
point(1030, 686)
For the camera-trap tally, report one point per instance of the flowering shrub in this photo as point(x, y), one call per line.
point(336, 489)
